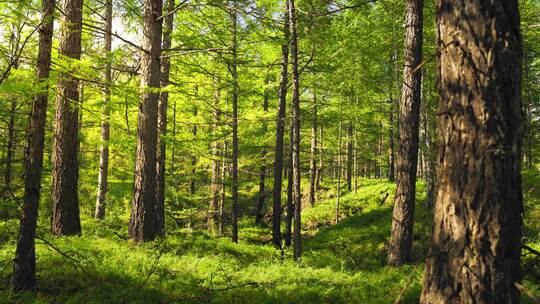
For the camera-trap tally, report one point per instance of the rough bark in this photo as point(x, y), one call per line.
point(105, 125)
point(280, 130)
point(296, 174)
point(24, 266)
point(142, 220)
point(162, 121)
point(409, 114)
point(65, 198)
point(476, 242)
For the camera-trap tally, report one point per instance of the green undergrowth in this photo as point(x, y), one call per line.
point(342, 262)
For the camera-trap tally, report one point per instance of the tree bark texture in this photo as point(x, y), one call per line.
point(162, 121)
point(65, 172)
point(296, 174)
point(409, 115)
point(280, 130)
point(24, 266)
point(476, 242)
point(142, 220)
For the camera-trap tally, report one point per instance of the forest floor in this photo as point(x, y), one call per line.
point(341, 263)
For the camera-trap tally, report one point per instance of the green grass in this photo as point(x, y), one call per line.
point(342, 263)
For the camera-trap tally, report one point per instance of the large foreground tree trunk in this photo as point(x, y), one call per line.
point(476, 243)
point(409, 116)
point(105, 125)
point(280, 130)
point(65, 198)
point(142, 220)
point(162, 122)
point(24, 267)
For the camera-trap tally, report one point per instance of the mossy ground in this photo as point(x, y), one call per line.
point(342, 263)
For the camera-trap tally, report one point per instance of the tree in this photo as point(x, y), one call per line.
point(280, 131)
point(162, 121)
point(24, 266)
point(142, 220)
point(476, 243)
point(105, 123)
point(312, 152)
point(295, 148)
point(407, 157)
point(65, 197)
point(235, 89)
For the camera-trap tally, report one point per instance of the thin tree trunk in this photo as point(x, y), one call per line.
point(173, 155)
point(355, 165)
point(313, 150)
point(476, 243)
point(290, 205)
point(142, 220)
point(24, 266)
point(400, 246)
point(162, 121)
point(349, 156)
point(65, 198)
point(221, 226)
point(105, 125)
point(297, 196)
point(234, 209)
point(262, 174)
point(280, 130)
point(320, 175)
point(338, 195)
point(213, 218)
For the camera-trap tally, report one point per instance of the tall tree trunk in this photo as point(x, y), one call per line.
point(355, 164)
point(403, 216)
point(338, 195)
point(142, 220)
point(262, 174)
point(106, 110)
point(312, 152)
point(280, 130)
point(321, 158)
point(162, 121)
point(65, 198)
point(234, 209)
point(349, 156)
point(24, 266)
point(221, 226)
point(213, 218)
point(290, 205)
point(297, 195)
point(476, 243)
